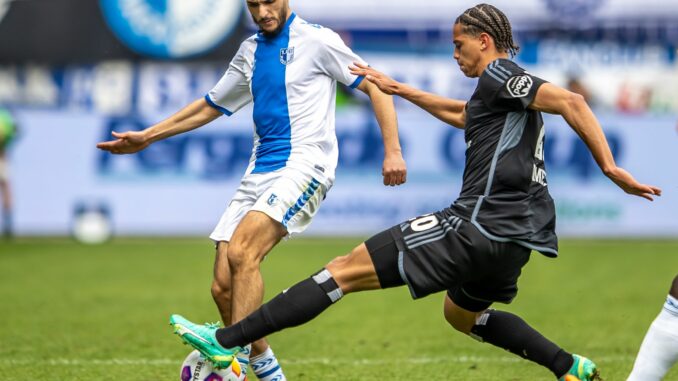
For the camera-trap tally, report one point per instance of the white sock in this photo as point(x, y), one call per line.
point(659, 350)
point(266, 367)
point(243, 357)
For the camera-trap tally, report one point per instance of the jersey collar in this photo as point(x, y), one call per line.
point(284, 30)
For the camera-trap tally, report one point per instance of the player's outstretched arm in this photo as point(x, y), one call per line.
point(394, 169)
point(450, 111)
point(573, 108)
point(194, 115)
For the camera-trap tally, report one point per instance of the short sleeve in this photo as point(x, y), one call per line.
point(336, 57)
point(507, 88)
point(232, 92)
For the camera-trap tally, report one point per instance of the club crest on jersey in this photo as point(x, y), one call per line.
point(519, 86)
point(272, 199)
point(286, 55)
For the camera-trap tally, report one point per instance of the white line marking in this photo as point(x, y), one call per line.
point(306, 361)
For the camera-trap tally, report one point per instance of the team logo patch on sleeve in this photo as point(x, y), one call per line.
point(519, 86)
point(286, 55)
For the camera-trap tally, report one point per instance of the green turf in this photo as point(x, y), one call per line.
point(74, 312)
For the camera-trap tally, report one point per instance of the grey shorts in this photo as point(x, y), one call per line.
point(441, 252)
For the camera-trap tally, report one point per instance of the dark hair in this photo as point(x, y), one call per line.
point(487, 18)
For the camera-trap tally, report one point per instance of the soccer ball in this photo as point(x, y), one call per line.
point(197, 368)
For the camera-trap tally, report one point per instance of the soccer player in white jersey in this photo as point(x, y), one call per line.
point(659, 350)
point(289, 70)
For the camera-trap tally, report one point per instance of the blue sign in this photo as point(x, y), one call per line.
point(573, 10)
point(171, 28)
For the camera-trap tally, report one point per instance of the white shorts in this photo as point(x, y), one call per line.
point(288, 195)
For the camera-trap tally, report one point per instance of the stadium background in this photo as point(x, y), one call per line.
point(72, 71)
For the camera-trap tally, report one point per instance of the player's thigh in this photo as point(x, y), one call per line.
point(256, 234)
point(355, 271)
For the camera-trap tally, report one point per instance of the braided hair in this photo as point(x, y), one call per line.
point(488, 19)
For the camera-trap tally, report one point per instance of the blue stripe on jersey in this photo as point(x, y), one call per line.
point(303, 199)
point(488, 71)
point(357, 82)
point(498, 73)
point(216, 106)
point(501, 68)
point(493, 70)
point(271, 113)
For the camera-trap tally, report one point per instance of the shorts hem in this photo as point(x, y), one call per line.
point(462, 299)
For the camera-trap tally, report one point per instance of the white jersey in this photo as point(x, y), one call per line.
point(291, 78)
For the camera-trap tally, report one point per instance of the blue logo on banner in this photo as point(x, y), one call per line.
point(171, 28)
point(573, 10)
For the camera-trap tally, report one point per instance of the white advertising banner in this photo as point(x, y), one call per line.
point(375, 14)
point(182, 185)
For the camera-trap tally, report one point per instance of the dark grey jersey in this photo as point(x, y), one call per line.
point(504, 193)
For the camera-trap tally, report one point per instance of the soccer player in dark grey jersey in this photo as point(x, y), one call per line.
point(476, 248)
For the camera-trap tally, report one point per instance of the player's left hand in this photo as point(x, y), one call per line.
point(386, 84)
point(394, 170)
point(625, 181)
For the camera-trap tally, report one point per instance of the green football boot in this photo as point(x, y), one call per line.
point(582, 369)
point(202, 338)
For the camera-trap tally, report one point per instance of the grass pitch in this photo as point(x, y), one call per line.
point(74, 312)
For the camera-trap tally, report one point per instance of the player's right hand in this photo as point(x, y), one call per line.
point(125, 142)
point(394, 169)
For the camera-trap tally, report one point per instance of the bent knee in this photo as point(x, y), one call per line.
point(337, 267)
point(459, 318)
point(242, 257)
point(459, 322)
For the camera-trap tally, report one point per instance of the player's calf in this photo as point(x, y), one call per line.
point(512, 333)
point(221, 293)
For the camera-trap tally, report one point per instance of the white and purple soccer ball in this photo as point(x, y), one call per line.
point(197, 368)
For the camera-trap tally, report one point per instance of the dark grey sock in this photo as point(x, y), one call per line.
point(298, 305)
point(512, 333)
